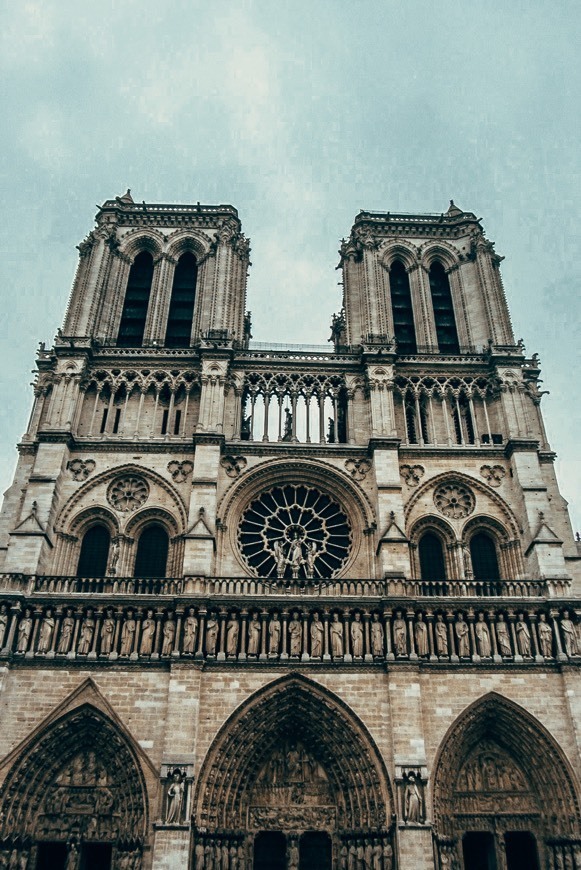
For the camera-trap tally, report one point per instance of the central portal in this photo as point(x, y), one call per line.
point(273, 850)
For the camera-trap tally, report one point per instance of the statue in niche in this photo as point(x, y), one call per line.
point(113, 559)
point(280, 559)
point(545, 636)
point(107, 632)
point(232, 633)
point(412, 800)
point(293, 856)
point(421, 637)
point(336, 631)
point(463, 637)
point(72, 861)
point(368, 855)
point(233, 857)
point(317, 631)
point(310, 560)
point(128, 634)
point(400, 635)
point(86, 633)
point(344, 857)
point(66, 636)
point(569, 639)
point(254, 635)
point(211, 634)
point(353, 855)
point(169, 633)
point(441, 636)
point(225, 853)
point(360, 854)
point(295, 634)
point(503, 637)
point(46, 632)
point(387, 856)
point(482, 637)
point(274, 630)
point(208, 857)
point(23, 860)
point(377, 855)
point(523, 637)
point(24, 631)
point(377, 637)
point(147, 634)
point(175, 798)
point(199, 855)
point(3, 623)
point(295, 557)
point(357, 636)
point(190, 632)
point(241, 857)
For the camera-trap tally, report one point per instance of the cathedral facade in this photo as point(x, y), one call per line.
point(287, 607)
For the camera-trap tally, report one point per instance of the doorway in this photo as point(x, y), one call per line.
point(521, 851)
point(270, 851)
point(315, 851)
point(51, 856)
point(478, 851)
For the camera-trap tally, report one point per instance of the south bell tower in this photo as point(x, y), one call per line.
point(262, 603)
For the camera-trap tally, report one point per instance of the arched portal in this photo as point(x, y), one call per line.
point(293, 760)
point(502, 789)
point(77, 788)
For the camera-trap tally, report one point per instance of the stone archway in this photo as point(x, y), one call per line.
point(502, 785)
point(75, 795)
point(293, 760)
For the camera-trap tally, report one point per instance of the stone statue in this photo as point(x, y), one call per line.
point(107, 632)
point(377, 637)
point(169, 633)
point(211, 634)
point(254, 632)
point(503, 636)
point(482, 637)
point(199, 855)
point(46, 632)
point(569, 639)
point(72, 857)
point(233, 857)
point(190, 632)
point(377, 859)
point(232, 633)
point(336, 637)
point(387, 856)
point(343, 857)
point(24, 630)
point(296, 557)
point(274, 630)
point(523, 636)
point(421, 637)
point(357, 636)
point(86, 634)
point(23, 860)
point(368, 855)
point(462, 637)
point(225, 853)
point(67, 628)
point(280, 559)
point(545, 636)
point(353, 855)
point(311, 556)
point(147, 634)
point(400, 644)
point(128, 634)
point(113, 559)
point(317, 631)
point(241, 858)
point(441, 636)
point(175, 798)
point(412, 802)
point(3, 623)
point(209, 856)
point(295, 633)
point(293, 856)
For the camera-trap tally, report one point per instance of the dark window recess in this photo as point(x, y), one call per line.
point(181, 307)
point(521, 851)
point(478, 851)
point(95, 856)
point(424, 423)
point(116, 421)
point(463, 423)
point(152, 550)
point(136, 302)
point(432, 565)
point(443, 310)
point(51, 856)
point(94, 552)
point(401, 306)
point(410, 420)
point(269, 851)
point(104, 420)
point(177, 422)
point(164, 420)
point(484, 558)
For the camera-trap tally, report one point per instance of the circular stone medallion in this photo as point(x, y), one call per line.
point(127, 493)
point(454, 500)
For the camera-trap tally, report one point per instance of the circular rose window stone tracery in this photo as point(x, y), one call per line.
point(127, 493)
point(454, 500)
point(294, 532)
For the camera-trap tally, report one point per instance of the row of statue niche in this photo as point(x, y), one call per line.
point(14, 859)
point(365, 854)
point(143, 638)
point(219, 854)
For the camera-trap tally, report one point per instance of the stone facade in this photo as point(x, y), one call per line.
point(287, 607)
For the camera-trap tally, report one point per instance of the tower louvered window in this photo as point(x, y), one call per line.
point(136, 301)
point(443, 310)
point(181, 309)
point(401, 306)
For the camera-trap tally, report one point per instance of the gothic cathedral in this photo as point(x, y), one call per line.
point(279, 606)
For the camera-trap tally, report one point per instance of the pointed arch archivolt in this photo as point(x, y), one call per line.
point(297, 709)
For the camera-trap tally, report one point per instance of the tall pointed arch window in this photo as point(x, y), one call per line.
point(152, 551)
point(94, 552)
point(401, 306)
point(484, 558)
point(432, 566)
point(443, 309)
point(136, 301)
point(181, 307)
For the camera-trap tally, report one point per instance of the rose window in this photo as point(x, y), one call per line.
point(127, 493)
point(294, 532)
point(454, 500)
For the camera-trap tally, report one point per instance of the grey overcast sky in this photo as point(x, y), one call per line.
point(299, 114)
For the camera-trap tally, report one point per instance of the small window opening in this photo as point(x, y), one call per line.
point(116, 421)
point(177, 423)
point(104, 420)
